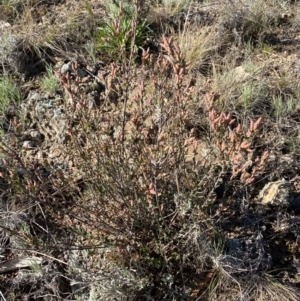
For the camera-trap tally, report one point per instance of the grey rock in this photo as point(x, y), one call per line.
point(248, 252)
point(28, 144)
point(23, 172)
point(13, 56)
point(67, 67)
point(36, 135)
point(48, 117)
point(276, 193)
point(8, 47)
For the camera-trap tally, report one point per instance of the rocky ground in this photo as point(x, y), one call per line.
point(150, 151)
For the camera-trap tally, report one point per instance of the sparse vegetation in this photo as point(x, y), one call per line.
point(122, 34)
point(50, 82)
point(140, 165)
point(9, 93)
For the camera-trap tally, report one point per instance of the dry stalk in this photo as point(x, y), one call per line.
point(234, 145)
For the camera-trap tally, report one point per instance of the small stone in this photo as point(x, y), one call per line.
point(40, 155)
point(240, 75)
point(35, 134)
point(276, 193)
point(23, 172)
point(55, 153)
point(28, 144)
point(66, 68)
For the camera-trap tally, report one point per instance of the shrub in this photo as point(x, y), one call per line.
point(152, 194)
point(140, 192)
